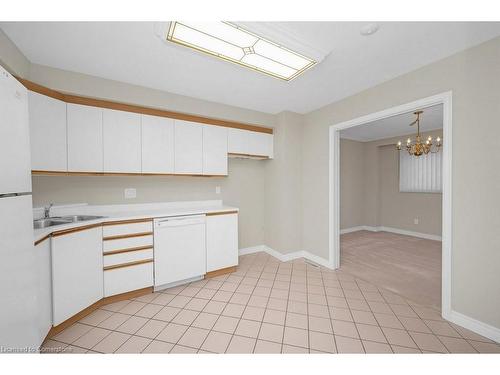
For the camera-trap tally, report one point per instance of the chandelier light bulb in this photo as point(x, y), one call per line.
point(420, 147)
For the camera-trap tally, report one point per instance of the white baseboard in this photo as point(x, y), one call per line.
point(358, 228)
point(251, 250)
point(474, 325)
point(392, 230)
point(286, 257)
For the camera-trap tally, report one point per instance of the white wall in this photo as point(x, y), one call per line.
point(474, 77)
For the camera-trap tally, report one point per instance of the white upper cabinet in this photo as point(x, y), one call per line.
point(214, 150)
point(122, 141)
point(250, 143)
point(157, 144)
point(85, 147)
point(47, 133)
point(188, 147)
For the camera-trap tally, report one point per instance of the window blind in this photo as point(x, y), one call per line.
point(420, 174)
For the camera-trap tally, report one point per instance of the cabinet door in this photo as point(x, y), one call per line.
point(188, 147)
point(250, 143)
point(157, 144)
point(47, 133)
point(222, 241)
point(214, 150)
point(44, 283)
point(260, 144)
point(84, 138)
point(122, 141)
point(77, 272)
point(237, 141)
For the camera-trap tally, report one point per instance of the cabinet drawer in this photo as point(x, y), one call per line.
point(110, 230)
point(126, 257)
point(126, 279)
point(127, 243)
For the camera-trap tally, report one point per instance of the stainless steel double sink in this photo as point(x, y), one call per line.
point(53, 221)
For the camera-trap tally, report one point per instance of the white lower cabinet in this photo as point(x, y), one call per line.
point(77, 277)
point(126, 279)
point(44, 294)
point(127, 256)
point(222, 241)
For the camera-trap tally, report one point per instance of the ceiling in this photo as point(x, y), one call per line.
point(132, 52)
point(431, 119)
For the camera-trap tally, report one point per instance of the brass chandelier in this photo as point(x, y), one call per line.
point(420, 148)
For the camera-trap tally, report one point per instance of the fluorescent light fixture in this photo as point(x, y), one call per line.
point(232, 43)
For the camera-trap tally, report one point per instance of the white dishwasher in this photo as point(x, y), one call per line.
point(179, 249)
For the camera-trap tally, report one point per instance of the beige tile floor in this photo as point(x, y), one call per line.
point(268, 306)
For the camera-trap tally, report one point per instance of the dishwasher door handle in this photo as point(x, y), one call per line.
point(178, 222)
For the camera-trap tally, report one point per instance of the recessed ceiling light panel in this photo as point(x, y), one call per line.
point(232, 43)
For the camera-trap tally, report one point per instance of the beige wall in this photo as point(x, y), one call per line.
point(11, 58)
point(243, 188)
point(474, 77)
point(398, 210)
point(283, 186)
point(352, 184)
point(377, 202)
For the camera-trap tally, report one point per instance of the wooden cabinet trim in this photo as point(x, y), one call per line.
point(106, 300)
point(129, 264)
point(121, 236)
point(221, 213)
point(74, 230)
point(42, 239)
point(133, 221)
point(235, 154)
point(127, 250)
point(110, 174)
point(100, 103)
point(222, 271)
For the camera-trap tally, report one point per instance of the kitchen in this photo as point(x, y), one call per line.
point(112, 252)
point(174, 187)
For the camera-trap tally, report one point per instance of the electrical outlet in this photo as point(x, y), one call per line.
point(130, 193)
point(415, 221)
point(217, 190)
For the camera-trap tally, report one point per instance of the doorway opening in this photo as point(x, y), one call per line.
point(391, 224)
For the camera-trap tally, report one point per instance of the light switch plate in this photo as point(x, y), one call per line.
point(130, 193)
point(217, 190)
point(415, 221)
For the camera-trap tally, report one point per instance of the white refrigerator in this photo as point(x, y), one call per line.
point(18, 269)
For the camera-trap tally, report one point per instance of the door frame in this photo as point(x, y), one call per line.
point(445, 99)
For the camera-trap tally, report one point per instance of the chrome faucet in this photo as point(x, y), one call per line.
point(46, 210)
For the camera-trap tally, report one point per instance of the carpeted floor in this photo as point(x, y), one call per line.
point(408, 266)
